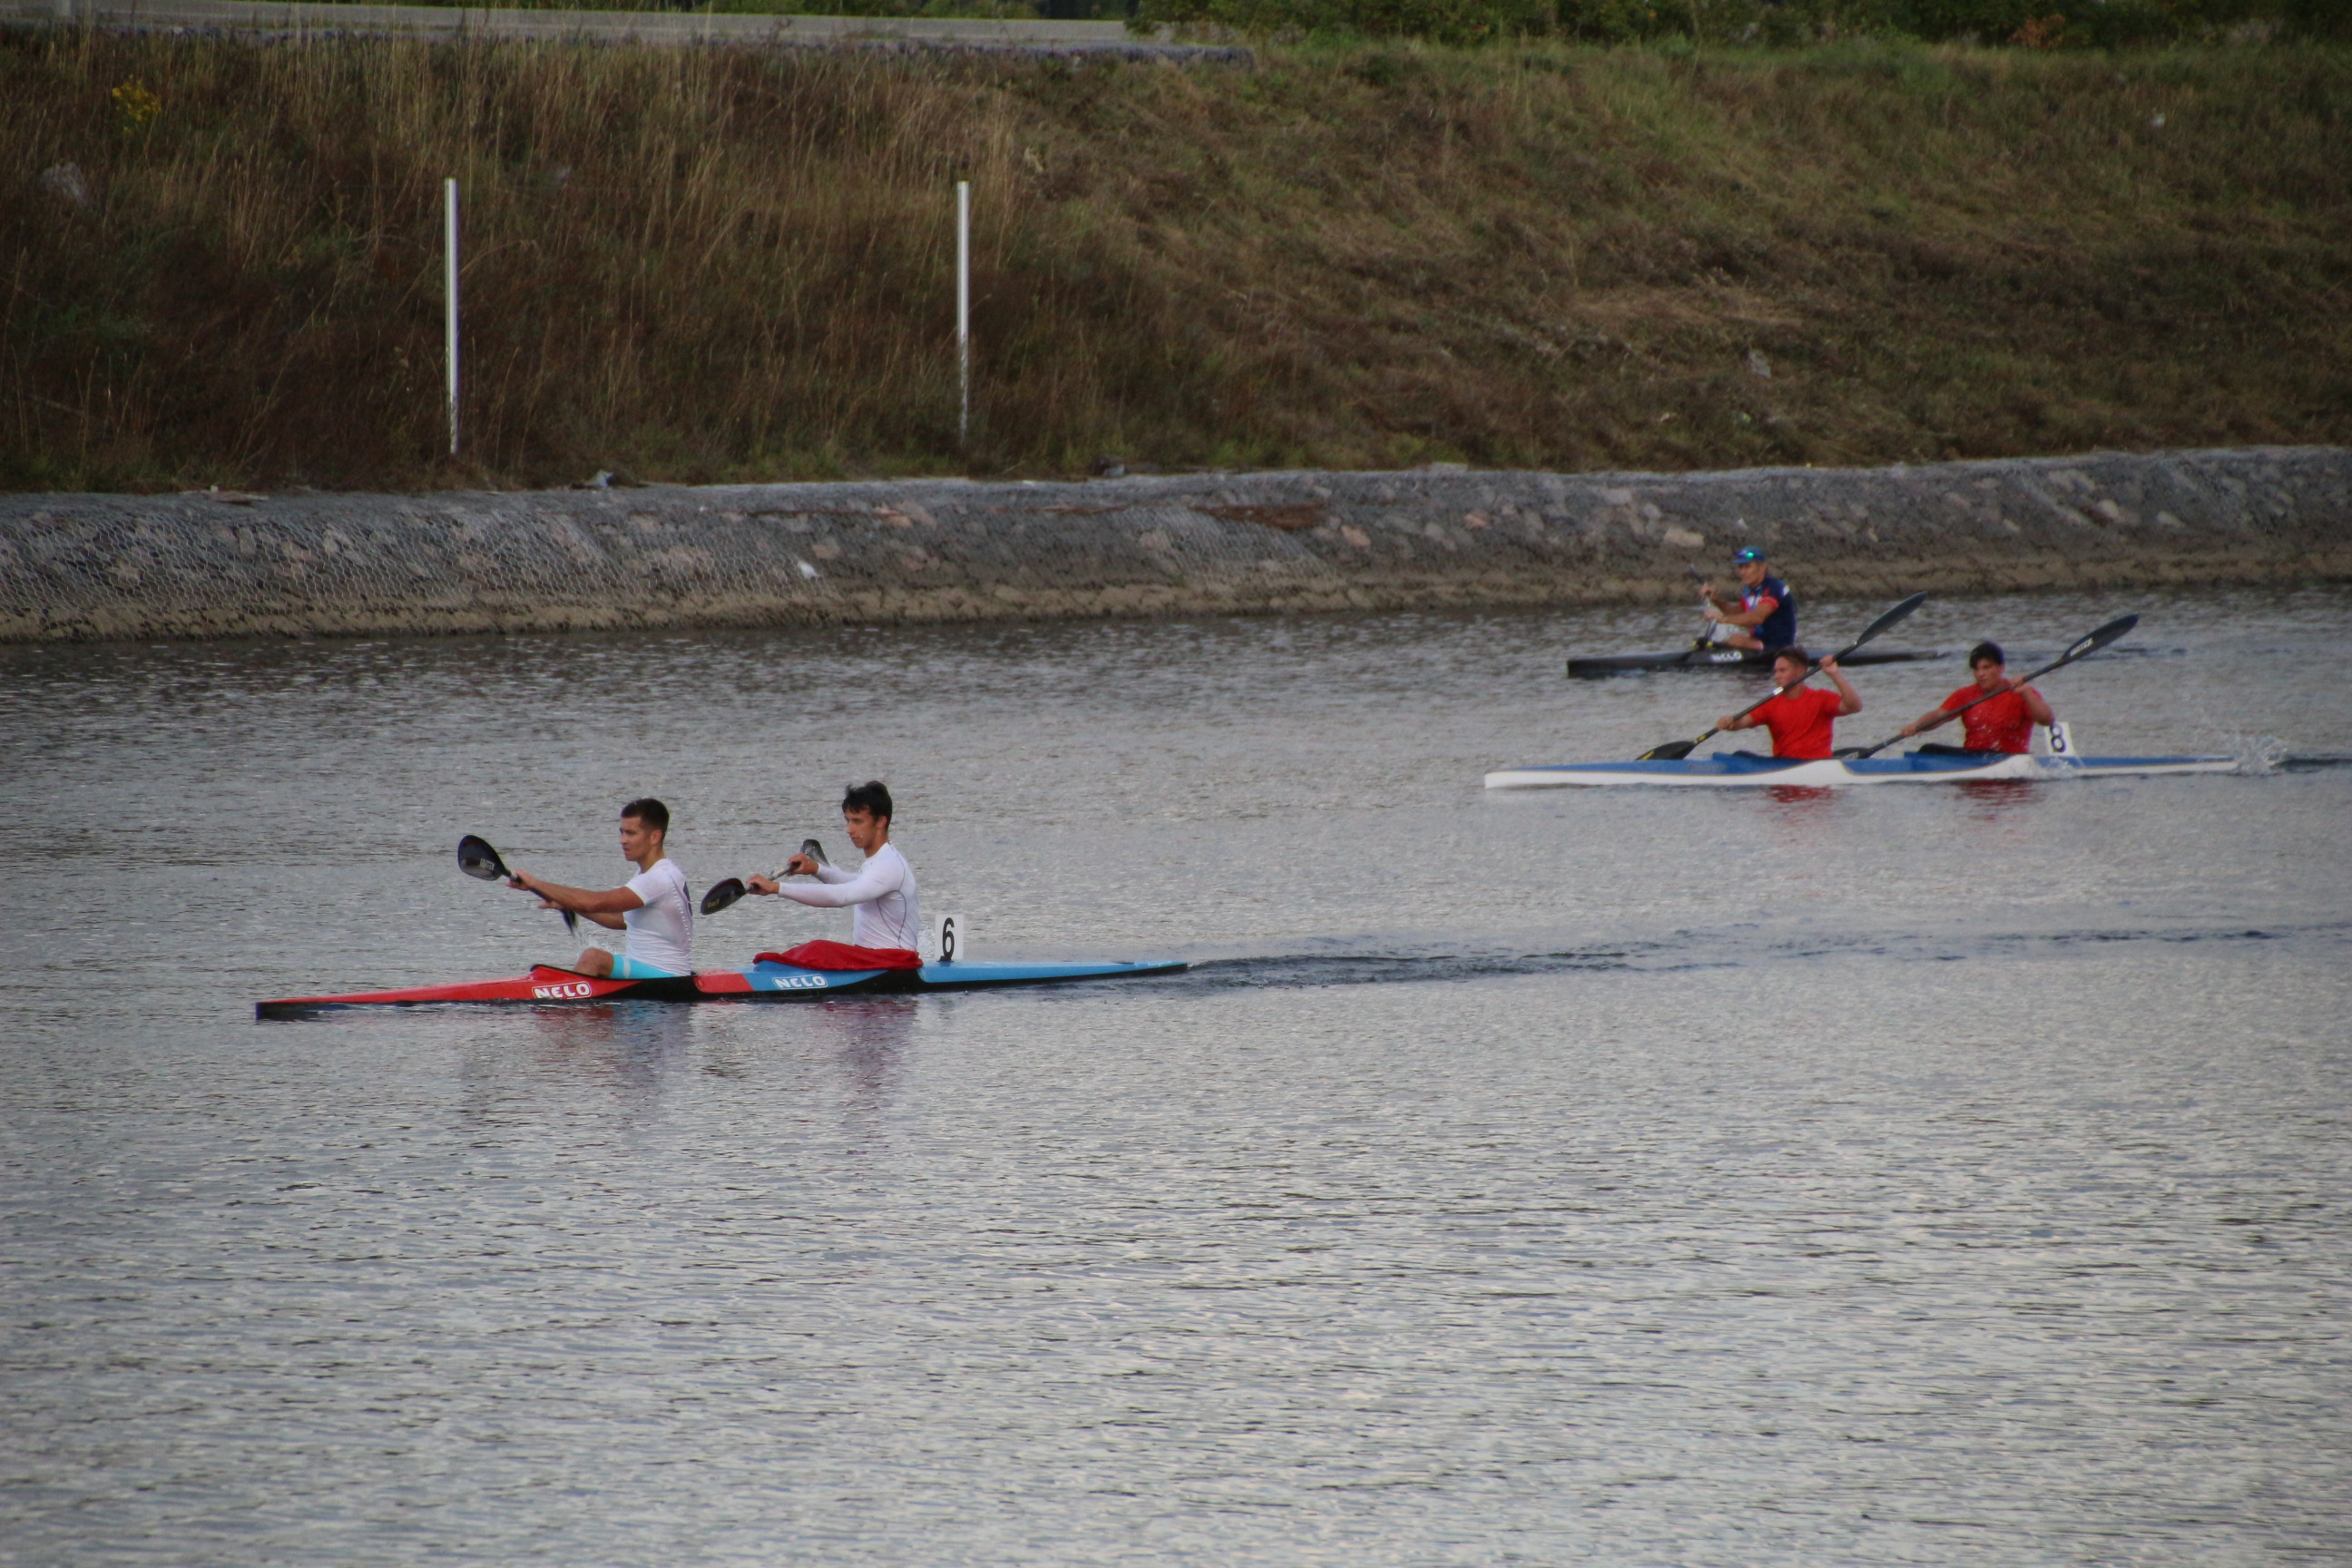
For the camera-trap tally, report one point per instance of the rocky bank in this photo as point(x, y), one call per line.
point(310, 564)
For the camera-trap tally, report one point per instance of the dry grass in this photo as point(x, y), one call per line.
point(704, 264)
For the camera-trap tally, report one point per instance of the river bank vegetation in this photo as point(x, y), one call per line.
point(224, 257)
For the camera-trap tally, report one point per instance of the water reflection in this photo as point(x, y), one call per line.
point(864, 1040)
point(1812, 801)
point(2000, 802)
point(632, 1051)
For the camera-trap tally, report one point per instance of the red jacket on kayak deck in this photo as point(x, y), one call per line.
point(1800, 721)
point(841, 955)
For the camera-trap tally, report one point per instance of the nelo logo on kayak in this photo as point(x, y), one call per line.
point(797, 982)
point(570, 990)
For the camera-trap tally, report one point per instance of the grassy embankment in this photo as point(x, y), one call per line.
point(706, 264)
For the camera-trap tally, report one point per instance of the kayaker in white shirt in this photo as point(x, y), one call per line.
point(880, 894)
point(653, 906)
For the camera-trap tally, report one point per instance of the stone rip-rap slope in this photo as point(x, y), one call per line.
point(113, 566)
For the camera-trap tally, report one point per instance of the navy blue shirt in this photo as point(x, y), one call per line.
point(1778, 630)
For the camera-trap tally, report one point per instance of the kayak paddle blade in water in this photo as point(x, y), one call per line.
point(477, 859)
point(1675, 750)
point(2083, 646)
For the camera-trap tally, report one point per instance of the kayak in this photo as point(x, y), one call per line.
point(1733, 771)
point(1707, 657)
point(547, 984)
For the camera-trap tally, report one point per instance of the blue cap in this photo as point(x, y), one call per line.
point(1743, 557)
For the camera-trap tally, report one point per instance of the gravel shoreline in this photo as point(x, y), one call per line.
point(83, 567)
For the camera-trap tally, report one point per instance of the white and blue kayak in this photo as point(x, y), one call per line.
point(1735, 771)
point(547, 985)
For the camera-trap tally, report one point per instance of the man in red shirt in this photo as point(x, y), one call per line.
point(1999, 723)
point(1801, 718)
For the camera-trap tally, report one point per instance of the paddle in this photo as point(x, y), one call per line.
point(1675, 750)
point(724, 893)
point(477, 859)
point(2083, 647)
point(1707, 631)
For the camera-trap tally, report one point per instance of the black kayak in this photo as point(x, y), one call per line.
point(1706, 655)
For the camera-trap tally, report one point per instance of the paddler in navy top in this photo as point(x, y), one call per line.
point(653, 907)
point(1803, 718)
point(1999, 723)
point(884, 923)
point(1767, 615)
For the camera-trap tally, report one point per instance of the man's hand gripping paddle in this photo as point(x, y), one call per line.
point(477, 859)
point(1706, 629)
point(2082, 647)
point(1675, 750)
point(724, 893)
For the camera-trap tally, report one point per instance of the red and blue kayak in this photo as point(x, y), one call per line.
point(547, 985)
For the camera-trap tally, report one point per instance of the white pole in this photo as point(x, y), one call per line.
point(449, 287)
point(964, 306)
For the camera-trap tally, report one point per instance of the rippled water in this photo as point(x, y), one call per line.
point(1920, 1175)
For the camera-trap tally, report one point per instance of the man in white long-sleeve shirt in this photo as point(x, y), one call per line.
point(880, 894)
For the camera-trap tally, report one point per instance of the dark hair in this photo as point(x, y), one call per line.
point(650, 812)
point(871, 797)
point(1983, 651)
point(1795, 652)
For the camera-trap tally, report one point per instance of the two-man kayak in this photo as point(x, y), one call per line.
point(1710, 655)
point(547, 984)
point(1736, 771)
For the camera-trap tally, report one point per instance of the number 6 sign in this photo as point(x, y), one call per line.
point(948, 934)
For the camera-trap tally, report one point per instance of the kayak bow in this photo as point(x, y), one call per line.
point(547, 984)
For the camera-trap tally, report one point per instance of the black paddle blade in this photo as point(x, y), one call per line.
point(1888, 619)
point(724, 894)
point(477, 859)
point(2092, 642)
point(814, 851)
point(1672, 751)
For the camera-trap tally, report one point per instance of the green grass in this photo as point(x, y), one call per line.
point(734, 264)
point(996, 10)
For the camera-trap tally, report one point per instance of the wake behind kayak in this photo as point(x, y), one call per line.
point(547, 985)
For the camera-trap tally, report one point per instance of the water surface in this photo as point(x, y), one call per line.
point(1911, 1176)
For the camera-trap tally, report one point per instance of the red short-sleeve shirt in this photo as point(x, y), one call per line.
point(1800, 721)
point(1996, 724)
